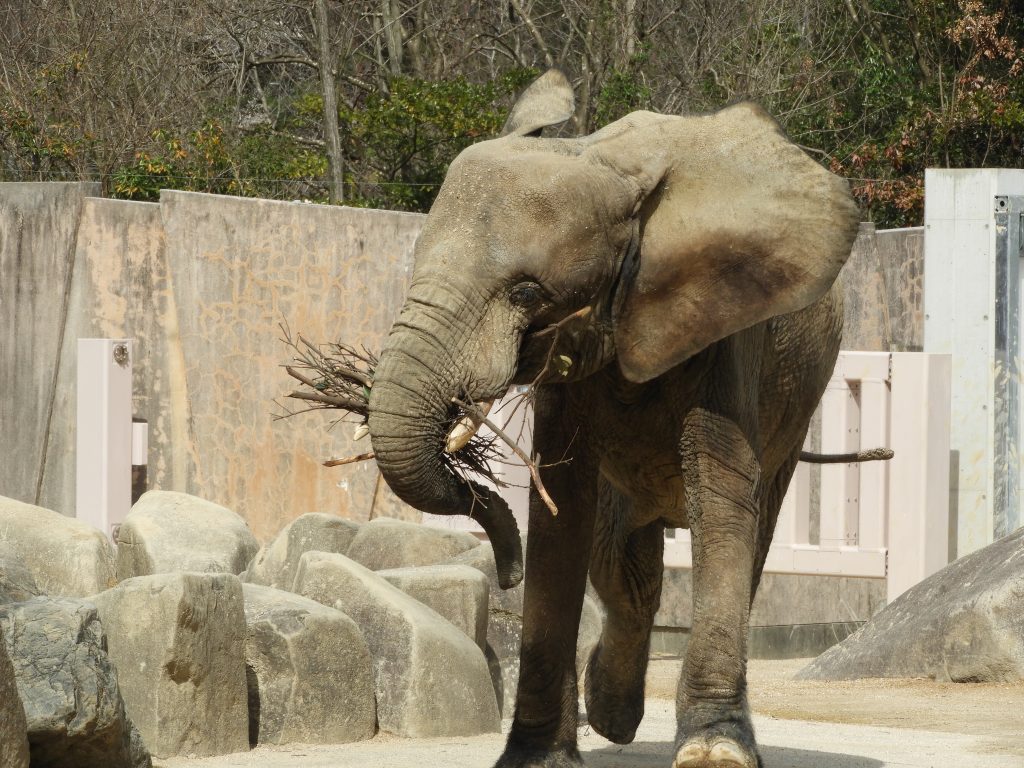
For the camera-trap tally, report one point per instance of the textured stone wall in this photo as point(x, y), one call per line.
point(202, 283)
point(239, 269)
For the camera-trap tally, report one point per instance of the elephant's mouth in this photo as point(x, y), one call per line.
point(466, 427)
point(465, 451)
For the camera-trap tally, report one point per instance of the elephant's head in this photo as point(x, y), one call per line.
point(674, 231)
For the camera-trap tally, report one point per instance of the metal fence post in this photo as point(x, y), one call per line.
point(103, 482)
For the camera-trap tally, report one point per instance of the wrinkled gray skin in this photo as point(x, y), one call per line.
point(706, 248)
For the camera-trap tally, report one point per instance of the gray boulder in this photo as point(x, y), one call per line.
point(13, 727)
point(309, 671)
point(275, 564)
point(457, 592)
point(68, 686)
point(430, 679)
point(964, 623)
point(170, 532)
point(505, 628)
point(66, 557)
point(178, 640)
point(387, 543)
point(16, 580)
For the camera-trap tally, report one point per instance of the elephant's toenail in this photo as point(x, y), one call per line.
point(728, 752)
point(690, 755)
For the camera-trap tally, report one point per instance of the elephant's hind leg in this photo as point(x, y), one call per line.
point(626, 570)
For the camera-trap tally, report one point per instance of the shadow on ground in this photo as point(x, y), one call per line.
point(658, 754)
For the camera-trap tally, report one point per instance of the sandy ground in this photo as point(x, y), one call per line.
point(859, 724)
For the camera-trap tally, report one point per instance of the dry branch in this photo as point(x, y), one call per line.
point(349, 459)
point(339, 377)
point(479, 416)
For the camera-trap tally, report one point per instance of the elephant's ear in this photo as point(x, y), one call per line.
point(548, 101)
point(736, 225)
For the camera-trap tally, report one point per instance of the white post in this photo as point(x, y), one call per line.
point(874, 475)
point(103, 482)
point(840, 483)
point(972, 308)
point(919, 470)
point(800, 493)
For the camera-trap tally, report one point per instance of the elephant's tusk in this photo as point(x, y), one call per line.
point(361, 431)
point(465, 428)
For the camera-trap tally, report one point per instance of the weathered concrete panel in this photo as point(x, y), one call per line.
point(782, 599)
point(883, 284)
point(120, 289)
point(864, 300)
point(239, 268)
point(901, 253)
point(38, 227)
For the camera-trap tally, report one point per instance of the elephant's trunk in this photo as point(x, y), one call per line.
point(410, 417)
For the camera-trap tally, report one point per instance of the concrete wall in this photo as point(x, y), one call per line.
point(38, 233)
point(202, 283)
point(120, 288)
point(884, 291)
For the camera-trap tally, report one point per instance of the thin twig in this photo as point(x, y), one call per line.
point(479, 416)
point(349, 459)
point(332, 401)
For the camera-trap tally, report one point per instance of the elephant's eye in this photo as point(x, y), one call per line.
point(525, 295)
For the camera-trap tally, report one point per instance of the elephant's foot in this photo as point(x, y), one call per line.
point(518, 757)
point(614, 696)
point(710, 738)
point(718, 752)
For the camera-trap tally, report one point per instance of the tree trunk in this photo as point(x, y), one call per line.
point(391, 16)
point(332, 134)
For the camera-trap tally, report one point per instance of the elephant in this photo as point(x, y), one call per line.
point(683, 271)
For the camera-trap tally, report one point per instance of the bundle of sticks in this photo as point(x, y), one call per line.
point(339, 377)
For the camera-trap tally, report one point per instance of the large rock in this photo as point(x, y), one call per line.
point(505, 628)
point(68, 686)
point(170, 532)
point(178, 642)
point(430, 679)
point(276, 563)
point(964, 623)
point(16, 580)
point(309, 669)
point(457, 592)
point(13, 727)
point(65, 556)
point(387, 543)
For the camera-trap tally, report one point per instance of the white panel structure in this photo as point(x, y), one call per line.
point(103, 485)
point(972, 311)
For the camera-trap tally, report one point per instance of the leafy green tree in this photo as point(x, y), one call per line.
point(404, 140)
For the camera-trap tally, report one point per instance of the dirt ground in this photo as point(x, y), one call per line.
point(991, 710)
point(858, 724)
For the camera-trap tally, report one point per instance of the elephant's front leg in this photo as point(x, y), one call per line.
point(557, 555)
point(722, 477)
